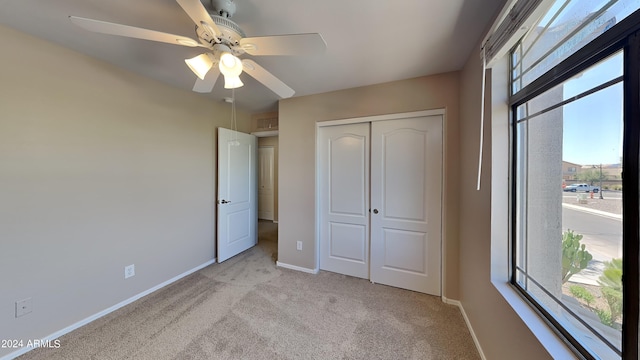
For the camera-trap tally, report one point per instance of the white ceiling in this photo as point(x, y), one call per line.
point(368, 41)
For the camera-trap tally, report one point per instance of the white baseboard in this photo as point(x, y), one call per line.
point(104, 312)
point(466, 320)
point(297, 268)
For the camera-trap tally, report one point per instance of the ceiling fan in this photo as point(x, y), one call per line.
point(225, 42)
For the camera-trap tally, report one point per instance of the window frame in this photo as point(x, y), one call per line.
point(624, 35)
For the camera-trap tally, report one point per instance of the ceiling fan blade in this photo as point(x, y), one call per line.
point(259, 73)
point(297, 44)
point(132, 32)
point(199, 14)
point(206, 85)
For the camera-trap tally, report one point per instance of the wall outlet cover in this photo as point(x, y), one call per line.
point(24, 307)
point(129, 271)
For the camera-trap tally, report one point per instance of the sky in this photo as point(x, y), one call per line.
point(592, 126)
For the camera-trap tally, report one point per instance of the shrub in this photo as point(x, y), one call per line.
point(614, 300)
point(579, 292)
point(612, 275)
point(605, 317)
point(611, 282)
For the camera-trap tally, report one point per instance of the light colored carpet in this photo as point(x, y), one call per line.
point(247, 308)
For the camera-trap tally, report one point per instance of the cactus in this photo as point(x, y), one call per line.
point(574, 255)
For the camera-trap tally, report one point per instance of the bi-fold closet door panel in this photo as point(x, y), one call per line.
point(406, 198)
point(381, 203)
point(344, 155)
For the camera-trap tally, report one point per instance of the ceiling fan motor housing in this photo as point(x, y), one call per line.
point(224, 8)
point(231, 34)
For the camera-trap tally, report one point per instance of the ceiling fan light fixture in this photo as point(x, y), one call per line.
point(231, 68)
point(232, 82)
point(200, 65)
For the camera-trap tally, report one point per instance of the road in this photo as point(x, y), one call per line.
point(605, 194)
point(601, 235)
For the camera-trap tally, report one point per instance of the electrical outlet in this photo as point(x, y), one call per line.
point(23, 307)
point(299, 245)
point(129, 271)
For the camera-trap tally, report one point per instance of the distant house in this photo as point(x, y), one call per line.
point(570, 170)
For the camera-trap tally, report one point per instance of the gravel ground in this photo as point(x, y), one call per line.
point(609, 205)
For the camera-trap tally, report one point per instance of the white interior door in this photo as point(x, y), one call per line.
point(237, 193)
point(406, 201)
point(265, 182)
point(344, 214)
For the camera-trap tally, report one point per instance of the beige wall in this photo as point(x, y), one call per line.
point(501, 332)
point(273, 141)
point(99, 169)
point(297, 135)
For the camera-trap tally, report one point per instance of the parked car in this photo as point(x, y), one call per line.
point(581, 188)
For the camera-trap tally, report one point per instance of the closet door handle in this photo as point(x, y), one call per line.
point(375, 211)
point(224, 201)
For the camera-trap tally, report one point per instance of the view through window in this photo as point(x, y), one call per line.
point(570, 250)
point(568, 175)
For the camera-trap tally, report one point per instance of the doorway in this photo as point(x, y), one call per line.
point(268, 178)
point(268, 193)
point(266, 187)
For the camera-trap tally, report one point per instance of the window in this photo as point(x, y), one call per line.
point(575, 99)
point(565, 28)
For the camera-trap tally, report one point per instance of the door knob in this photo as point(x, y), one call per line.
point(375, 211)
point(223, 201)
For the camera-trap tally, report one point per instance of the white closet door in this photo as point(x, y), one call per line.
point(406, 202)
point(344, 210)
